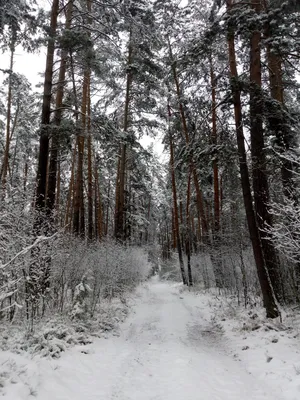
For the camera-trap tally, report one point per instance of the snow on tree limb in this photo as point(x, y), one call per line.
point(38, 240)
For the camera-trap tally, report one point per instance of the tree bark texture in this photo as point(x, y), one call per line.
point(40, 202)
point(266, 288)
point(57, 118)
point(121, 175)
point(175, 208)
point(215, 142)
point(285, 140)
point(8, 118)
point(259, 163)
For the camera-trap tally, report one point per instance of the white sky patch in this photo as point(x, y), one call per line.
point(183, 3)
point(30, 65)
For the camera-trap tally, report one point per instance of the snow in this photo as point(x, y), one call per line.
point(172, 346)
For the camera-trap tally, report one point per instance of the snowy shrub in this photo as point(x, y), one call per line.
point(202, 270)
point(285, 234)
point(81, 300)
point(54, 338)
point(23, 263)
point(50, 348)
point(63, 275)
point(96, 272)
point(51, 337)
point(169, 269)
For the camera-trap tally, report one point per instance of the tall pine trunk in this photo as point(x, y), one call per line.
point(259, 162)
point(37, 282)
point(121, 173)
point(40, 202)
point(69, 208)
point(79, 208)
point(98, 207)
point(4, 168)
point(215, 254)
point(57, 118)
point(214, 137)
point(188, 230)
point(90, 171)
point(285, 140)
point(265, 284)
point(175, 208)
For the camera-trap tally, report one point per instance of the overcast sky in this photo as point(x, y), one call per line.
point(30, 65)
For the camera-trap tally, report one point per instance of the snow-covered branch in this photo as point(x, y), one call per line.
point(24, 251)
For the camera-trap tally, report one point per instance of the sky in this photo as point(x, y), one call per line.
point(30, 65)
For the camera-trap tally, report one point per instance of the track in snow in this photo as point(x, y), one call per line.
point(166, 351)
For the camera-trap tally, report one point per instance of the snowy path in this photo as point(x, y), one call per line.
point(165, 352)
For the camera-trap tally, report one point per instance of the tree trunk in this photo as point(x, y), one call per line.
point(69, 210)
point(175, 208)
point(40, 202)
point(285, 140)
point(90, 172)
point(79, 213)
point(259, 173)
point(39, 270)
point(188, 230)
point(57, 196)
point(265, 284)
point(54, 151)
point(120, 184)
point(174, 244)
point(25, 178)
point(215, 142)
point(107, 208)
point(98, 206)
point(8, 117)
point(215, 253)
point(14, 165)
point(79, 209)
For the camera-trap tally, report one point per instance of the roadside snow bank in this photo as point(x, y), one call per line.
point(268, 349)
point(24, 353)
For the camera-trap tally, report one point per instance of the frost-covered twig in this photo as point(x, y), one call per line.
point(14, 304)
point(38, 240)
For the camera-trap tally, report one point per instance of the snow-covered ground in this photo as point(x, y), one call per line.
point(172, 346)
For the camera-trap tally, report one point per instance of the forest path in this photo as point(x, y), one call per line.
point(167, 350)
